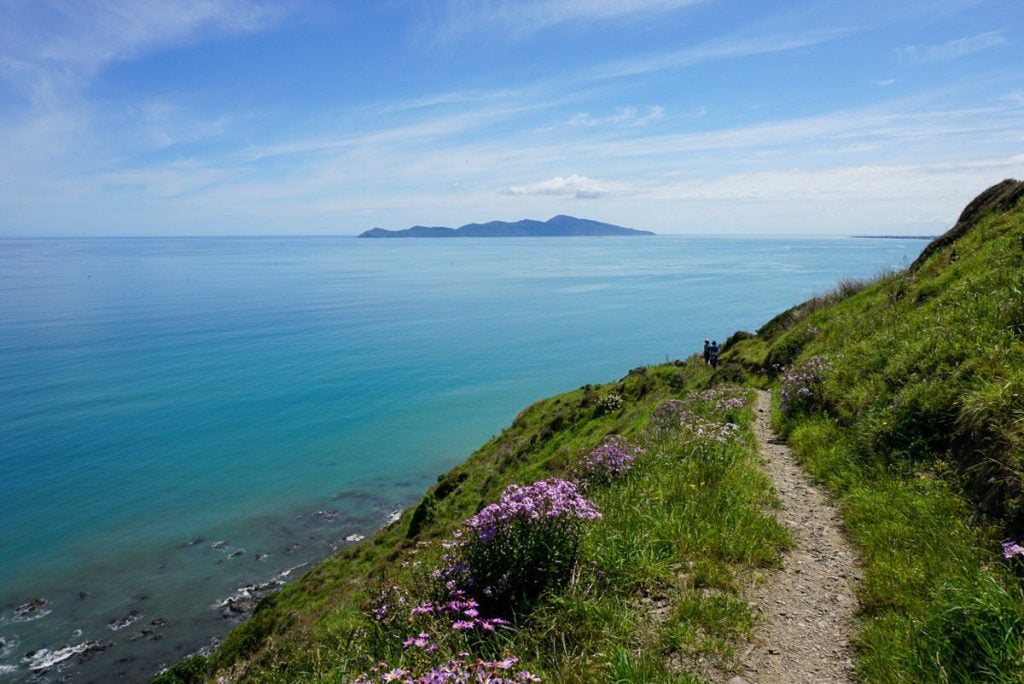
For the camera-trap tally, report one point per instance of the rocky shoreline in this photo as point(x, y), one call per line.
point(316, 535)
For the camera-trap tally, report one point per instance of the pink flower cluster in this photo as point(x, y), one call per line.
point(458, 670)
point(542, 500)
point(723, 399)
point(613, 458)
point(676, 414)
point(707, 430)
point(800, 386)
point(466, 612)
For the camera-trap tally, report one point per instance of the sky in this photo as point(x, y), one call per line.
point(314, 117)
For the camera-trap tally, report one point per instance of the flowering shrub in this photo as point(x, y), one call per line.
point(608, 404)
point(613, 458)
point(666, 416)
point(707, 430)
point(801, 387)
point(513, 550)
point(721, 399)
point(675, 414)
point(455, 670)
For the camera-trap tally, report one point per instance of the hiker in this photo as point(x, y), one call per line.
point(707, 352)
point(713, 354)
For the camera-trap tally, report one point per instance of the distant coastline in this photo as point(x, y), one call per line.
point(894, 237)
point(558, 226)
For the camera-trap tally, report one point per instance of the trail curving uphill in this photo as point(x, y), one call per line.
point(808, 608)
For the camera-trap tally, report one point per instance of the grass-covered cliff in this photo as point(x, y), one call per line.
point(906, 397)
point(902, 395)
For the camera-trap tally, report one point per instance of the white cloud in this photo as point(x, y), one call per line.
point(626, 116)
point(954, 49)
point(579, 187)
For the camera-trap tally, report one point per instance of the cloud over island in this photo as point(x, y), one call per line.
point(579, 187)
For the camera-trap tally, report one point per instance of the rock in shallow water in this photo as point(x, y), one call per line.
point(128, 619)
point(31, 610)
point(44, 659)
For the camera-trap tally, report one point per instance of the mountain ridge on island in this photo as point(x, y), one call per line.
point(557, 226)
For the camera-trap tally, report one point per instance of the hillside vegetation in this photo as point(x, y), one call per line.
point(626, 564)
point(906, 397)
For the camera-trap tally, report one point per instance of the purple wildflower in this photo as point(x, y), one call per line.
point(544, 499)
point(613, 458)
point(801, 384)
point(1012, 548)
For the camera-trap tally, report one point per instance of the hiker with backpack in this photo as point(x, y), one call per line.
point(713, 354)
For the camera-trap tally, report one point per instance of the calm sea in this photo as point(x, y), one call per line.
point(182, 417)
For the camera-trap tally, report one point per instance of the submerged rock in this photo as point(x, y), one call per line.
point(128, 619)
point(33, 609)
point(219, 545)
point(45, 659)
point(327, 515)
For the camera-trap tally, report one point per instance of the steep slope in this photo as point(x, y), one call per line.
point(906, 396)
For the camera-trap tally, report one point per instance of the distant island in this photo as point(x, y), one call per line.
point(559, 226)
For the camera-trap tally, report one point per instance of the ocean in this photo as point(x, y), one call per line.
point(184, 417)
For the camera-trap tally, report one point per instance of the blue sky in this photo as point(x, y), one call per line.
point(241, 117)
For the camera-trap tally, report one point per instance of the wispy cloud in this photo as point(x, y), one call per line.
point(626, 116)
point(50, 46)
point(579, 187)
point(712, 51)
point(954, 49)
point(525, 17)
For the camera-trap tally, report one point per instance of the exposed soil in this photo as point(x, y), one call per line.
point(808, 608)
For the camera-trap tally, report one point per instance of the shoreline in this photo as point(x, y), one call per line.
point(124, 645)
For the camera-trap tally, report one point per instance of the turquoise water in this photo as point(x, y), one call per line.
point(282, 394)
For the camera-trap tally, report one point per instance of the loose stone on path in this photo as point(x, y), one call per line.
point(808, 608)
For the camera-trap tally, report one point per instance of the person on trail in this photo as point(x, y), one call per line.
point(707, 351)
point(713, 354)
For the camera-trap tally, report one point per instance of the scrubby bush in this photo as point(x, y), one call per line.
point(609, 403)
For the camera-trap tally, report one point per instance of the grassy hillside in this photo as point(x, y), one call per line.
point(902, 395)
point(648, 592)
point(906, 397)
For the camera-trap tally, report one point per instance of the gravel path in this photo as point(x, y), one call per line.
point(808, 608)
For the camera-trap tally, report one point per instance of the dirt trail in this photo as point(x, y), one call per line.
point(808, 608)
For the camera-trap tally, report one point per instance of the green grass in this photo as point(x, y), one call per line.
point(918, 430)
